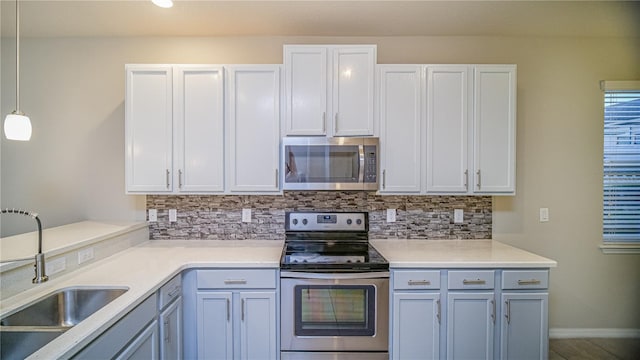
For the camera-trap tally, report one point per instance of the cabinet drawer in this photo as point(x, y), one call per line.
point(478, 279)
point(416, 279)
point(525, 279)
point(237, 279)
point(170, 291)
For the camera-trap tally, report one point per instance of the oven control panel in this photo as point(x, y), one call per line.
point(314, 221)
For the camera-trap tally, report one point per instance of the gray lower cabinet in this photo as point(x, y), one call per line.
point(236, 314)
point(152, 330)
point(484, 314)
point(144, 346)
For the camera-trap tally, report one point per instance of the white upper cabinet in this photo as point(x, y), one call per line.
point(400, 127)
point(470, 129)
point(148, 128)
point(174, 129)
point(306, 90)
point(494, 124)
point(448, 101)
point(329, 89)
point(199, 136)
point(253, 132)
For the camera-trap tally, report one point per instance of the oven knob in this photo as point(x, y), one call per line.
point(295, 221)
point(304, 221)
point(348, 261)
point(359, 221)
point(349, 221)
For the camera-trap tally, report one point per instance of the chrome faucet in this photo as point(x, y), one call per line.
point(39, 266)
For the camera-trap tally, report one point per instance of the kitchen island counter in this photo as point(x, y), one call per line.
point(142, 269)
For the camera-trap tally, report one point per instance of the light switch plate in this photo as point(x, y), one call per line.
point(246, 215)
point(391, 215)
point(544, 214)
point(173, 215)
point(458, 216)
point(153, 215)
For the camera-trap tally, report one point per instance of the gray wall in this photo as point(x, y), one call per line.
point(73, 169)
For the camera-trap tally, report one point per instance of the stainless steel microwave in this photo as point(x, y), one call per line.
point(339, 163)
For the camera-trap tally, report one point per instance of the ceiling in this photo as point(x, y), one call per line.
point(323, 18)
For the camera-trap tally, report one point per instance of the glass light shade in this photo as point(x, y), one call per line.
point(17, 127)
point(163, 3)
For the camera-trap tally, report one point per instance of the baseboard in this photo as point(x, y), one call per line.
point(564, 333)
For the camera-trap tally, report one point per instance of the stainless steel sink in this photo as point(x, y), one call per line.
point(41, 321)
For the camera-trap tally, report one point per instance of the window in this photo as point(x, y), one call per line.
point(621, 159)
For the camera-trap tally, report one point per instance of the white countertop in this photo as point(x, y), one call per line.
point(143, 269)
point(457, 254)
point(18, 249)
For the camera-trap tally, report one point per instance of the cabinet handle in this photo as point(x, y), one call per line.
point(507, 312)
point(493, 311)
point(168, 183)
point(180, 178)
point(277, 179)
point(242, 308)
point(167, 327)
point(235, 282)
point(384, 179)
point(466, 179)
point(419, 282)
point(439, 310)
point(335, 124)
point(324, 122)
point(474, 282)
point(479, 177)
point(228, 310)
point(529, 282)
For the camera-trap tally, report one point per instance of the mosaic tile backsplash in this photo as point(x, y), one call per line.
point(218, 217)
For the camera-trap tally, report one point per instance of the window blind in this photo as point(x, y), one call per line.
point(621, 205)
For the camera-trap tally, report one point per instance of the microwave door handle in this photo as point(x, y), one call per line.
point(361, 169)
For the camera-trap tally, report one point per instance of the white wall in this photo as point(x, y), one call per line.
point(73, 169)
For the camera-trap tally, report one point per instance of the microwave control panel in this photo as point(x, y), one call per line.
point(370, 164)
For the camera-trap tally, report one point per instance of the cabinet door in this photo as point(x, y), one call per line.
point(448, 94)
point(400, 128)
point(171, 331)
point(416, 326)
point(254, 136)
point(353, 88)
point(199, 136)
point(305, 90)
point(470, 325)
point(144, 346)
point(258, 325)
point(214, 327)
point(525, 331)
point(148, 128)
point(494, 129)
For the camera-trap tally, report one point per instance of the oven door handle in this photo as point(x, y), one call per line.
point(334, 276)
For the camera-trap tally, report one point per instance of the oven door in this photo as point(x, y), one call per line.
point(334, 312)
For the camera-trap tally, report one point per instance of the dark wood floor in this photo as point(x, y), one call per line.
point(594, 348)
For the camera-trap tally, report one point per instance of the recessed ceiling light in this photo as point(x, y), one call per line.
point(163, 3)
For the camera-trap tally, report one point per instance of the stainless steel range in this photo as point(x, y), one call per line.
point(334, 289)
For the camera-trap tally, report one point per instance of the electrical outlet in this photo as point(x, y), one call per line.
point(85, 255)
point(458, 216)
point(55, 266)
point(391, 215)
point(173, 215)
point(153, 215)
point(246, 215)
point(544, 214)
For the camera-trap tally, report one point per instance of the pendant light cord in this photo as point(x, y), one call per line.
point(18, 57)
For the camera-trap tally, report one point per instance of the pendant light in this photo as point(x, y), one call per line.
point(17, 126)
point(163, 3)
